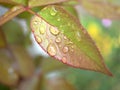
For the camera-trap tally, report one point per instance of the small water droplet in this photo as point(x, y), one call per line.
point(64, 59)
point(37, 20)
point(69, 24)
point(39, 40)
point(61, 26)
point(54, 31)
point(53, 11)
point(78, 36)
point(65, 37)
point(42, 28)
point(65, 49)
point(58, 39)
point(58, 19)
point(51, 49)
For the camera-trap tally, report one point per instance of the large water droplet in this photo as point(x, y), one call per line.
point(39, 40)
point(53, 11)
point(54, 31)
point(42, 28)
point(51, 49)
point(64, 59)
point(58, 39)
point(65, 49)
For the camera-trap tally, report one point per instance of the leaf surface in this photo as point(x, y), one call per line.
point(2, 39)
point(56, 82)
point(11, 14)
point(102, 9)
point(63, 37)
point(15, 2)
point(23, 61)
point(33, 3)
point(8, 75)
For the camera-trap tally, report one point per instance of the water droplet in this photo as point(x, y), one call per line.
point(51, 49)
point(54, 31)
point(65, 49)
point(65, 37)
point(58, 19)
point(39, 40)
point(35, 22)
point(78, 36)
point(64, 59)
point(69, 24)
point(42, 28)
point(53, 11)
point(58, 40)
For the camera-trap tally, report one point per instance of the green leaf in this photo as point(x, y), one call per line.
point(3, 87)
point(13, 33)
point(71, 9)
point(34, 3)
point(101, 9)
point(15, 2)
point(11, 14)
point(8, 74)
point(63, 37)
point(2, 39)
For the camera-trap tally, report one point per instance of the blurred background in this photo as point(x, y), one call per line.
point(25, 66)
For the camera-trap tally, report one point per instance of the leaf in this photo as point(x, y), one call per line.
point(3, 87)
point(11, 14)
point(2, 39)
point(64, 38)
point(101, 9)
point(32, 83)
point(71, 10)
point(23, 61)
point(34, 3)
point(49, 65)
point(13, 33)
point(15, 2)
point(56, 82)
point(8, 74)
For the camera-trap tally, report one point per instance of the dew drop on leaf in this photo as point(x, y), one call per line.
point(58, 40)
point(65, 37)
point(64, 59)
point(54, 31)
point(65, 49)
point(78, 36)
point(42, 28)
point(51, 49)
point(38, 39)
point(58, 19)
point(53, 11)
